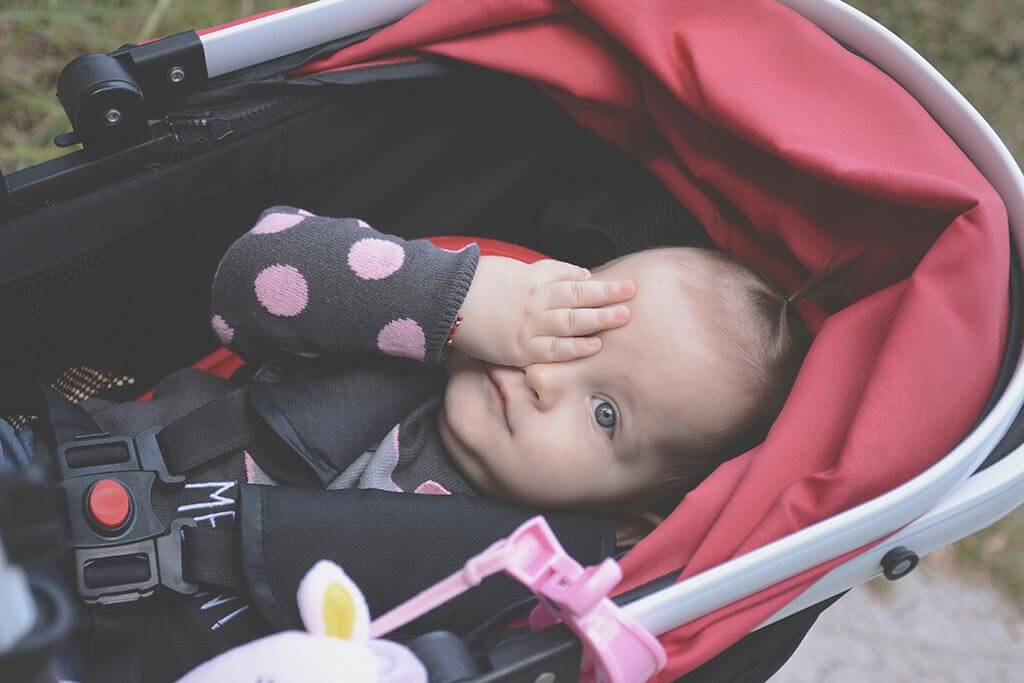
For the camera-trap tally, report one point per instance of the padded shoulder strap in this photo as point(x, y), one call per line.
point(393, 545)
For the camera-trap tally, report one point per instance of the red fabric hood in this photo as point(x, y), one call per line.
point(792, 152)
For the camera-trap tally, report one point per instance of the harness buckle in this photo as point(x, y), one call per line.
point(122, 551)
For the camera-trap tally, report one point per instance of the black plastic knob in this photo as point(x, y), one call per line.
point(104, 103)
point(899, 562)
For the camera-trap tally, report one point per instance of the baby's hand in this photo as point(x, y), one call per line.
point(518, 314)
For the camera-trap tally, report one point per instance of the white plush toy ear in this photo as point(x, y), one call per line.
point(336, 648)
point(331, 604)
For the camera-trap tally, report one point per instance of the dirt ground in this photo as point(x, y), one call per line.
point(935, 625)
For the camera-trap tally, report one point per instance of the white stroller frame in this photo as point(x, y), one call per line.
point(939, 506)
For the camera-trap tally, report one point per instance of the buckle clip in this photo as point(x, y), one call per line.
point(160, 558)
point(102, 453)
point(615, 648)
point(124, 557)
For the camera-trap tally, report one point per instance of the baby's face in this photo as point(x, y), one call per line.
point(594, 430)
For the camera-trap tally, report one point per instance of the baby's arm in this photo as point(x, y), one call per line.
point(309, 285)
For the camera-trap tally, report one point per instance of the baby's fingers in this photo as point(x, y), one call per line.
point(579, 322)
point(560, 270)
point(588, 293)
point(557, 349)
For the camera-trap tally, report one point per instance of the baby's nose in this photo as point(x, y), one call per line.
point(543, 380)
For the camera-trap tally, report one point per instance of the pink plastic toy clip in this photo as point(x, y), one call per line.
point(615, 649)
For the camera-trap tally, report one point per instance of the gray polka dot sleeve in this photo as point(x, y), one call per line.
point(310, 285)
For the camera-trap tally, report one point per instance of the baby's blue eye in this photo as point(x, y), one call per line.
point(604, 414)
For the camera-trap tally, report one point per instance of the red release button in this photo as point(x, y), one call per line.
point(108, 503)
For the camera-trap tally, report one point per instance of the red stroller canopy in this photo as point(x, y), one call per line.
point(794, 154)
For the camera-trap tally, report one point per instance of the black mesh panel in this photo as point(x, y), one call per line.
point(130, 310)
point(638, 214)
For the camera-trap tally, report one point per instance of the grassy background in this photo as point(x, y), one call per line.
point(977, 44)
point(38, 37)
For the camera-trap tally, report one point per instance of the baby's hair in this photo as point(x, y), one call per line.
point(764, 339)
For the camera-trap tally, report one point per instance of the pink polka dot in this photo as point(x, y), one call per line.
point(403, 338)
point(250, 469)
point(373, 259)
point(362, 223)
point(223, 330)
point(431, 487)
point(276, 222)
point(282, 290)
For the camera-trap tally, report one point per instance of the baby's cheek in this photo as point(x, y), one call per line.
point(536, 466)
point(562, 469)
point(464, 411)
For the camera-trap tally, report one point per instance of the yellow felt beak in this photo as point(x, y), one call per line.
point(339, 611)
point(331, 605)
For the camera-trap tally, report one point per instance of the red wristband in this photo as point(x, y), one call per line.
point(451, 335)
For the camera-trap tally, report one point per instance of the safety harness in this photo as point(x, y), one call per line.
point(131, 539)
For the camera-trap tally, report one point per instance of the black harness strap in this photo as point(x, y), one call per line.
point(218, 428)
point(213, 555)
point(231, 423)
point(22, 393)
point(225, 425)
point(117, 644)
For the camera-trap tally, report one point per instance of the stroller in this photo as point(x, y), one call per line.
point(794, 131)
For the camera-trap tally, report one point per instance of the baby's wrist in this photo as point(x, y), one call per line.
point(450, 341)
point(473, 309)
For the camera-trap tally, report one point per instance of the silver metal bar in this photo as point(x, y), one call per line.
point(299, 28)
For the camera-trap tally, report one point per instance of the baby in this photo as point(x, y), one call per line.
point(565, 388)
point(696, 376)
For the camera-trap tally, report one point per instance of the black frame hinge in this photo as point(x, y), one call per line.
point(110, 98)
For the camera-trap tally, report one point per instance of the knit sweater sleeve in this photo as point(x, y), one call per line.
point(310, 285)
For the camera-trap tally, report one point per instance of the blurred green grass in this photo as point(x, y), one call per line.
point(38, 37)
point(977, 44)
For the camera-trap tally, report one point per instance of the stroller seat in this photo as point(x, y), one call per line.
point(903, 430)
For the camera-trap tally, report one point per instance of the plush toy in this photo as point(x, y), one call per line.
point(336, 645)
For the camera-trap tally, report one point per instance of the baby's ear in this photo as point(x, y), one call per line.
point(332, 605)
